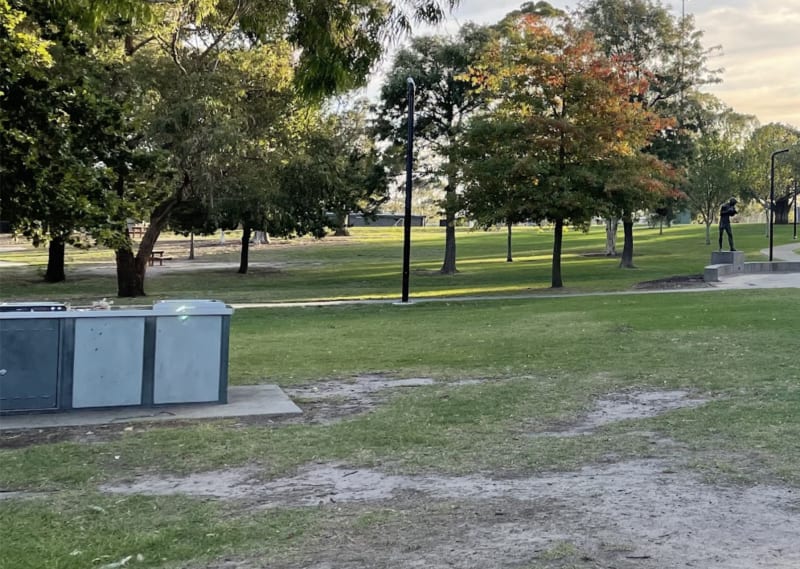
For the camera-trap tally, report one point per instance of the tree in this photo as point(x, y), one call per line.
point(57, 129)
point(668, 61)
point(332, 46)
point(493, 190)
point(359, 181)
point(444, 100)
point(190, 219)
point(712, 175)
point(327, 169)
point(755, 165)
point(576, 124)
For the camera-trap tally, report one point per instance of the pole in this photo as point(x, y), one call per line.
point(794, 233)
point(772, 198)
point(409, 166)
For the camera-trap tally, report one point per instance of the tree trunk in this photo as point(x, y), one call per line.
point(131, 270)
point(626, 261)
point(341, 226)
point(766, 213)
point(782, 210)
point(129, 283)
point(222, 237)
point(191, 246)
point(55, 261)
point(245, 254)
point(708, 233)
point(509, 258)
point(449, 265)
point(612, 223)
point(558, 236)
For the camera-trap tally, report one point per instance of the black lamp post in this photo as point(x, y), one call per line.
point(772, 197)
point(409, 165)
point(794, 235)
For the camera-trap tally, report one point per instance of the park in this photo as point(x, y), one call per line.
point(532, 432)
point(430, 350)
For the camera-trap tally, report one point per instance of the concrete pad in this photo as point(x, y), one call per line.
point(243, 401)
point(759, 280)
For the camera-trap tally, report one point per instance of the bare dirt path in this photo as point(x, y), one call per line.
point(645, 513)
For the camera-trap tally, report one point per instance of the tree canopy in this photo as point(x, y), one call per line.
point(577, 129)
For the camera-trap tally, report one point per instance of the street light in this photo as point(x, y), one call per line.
point(409, 165)
point(772, 198)
point(794, 236)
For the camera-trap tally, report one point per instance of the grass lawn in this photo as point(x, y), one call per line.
point(537, 365)
point(368, 265)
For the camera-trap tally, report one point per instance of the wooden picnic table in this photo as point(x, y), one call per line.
point(158, 256)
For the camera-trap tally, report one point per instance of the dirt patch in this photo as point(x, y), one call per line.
point(676, 282)
point(322, 403)
point(643, 513)
point(625, 406)
point(362, 387)
point(330, 401)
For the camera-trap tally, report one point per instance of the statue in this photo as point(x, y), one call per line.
point(727, 211)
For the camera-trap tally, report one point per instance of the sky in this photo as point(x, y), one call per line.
point(760, 55)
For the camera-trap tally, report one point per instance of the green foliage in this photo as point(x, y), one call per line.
point(335, 170)
point(578, 136)
point(491, 170)
point(755, 163)
point(59, 132)
point(713, 174)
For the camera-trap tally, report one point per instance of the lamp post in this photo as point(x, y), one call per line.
point(794, 235)
point(772, 198)
point(409, 165)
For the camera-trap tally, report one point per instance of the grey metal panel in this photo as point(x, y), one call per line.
point(65, 364)
point(187, 362)
point(149, 360)
point(108, 366)
point(224, 350)
point(29, 364)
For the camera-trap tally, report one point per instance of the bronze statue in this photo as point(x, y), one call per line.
point(727, 211)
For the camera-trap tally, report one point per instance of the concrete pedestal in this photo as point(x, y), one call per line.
point(735, 258)
point(724, 263)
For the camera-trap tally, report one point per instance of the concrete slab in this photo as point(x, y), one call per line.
point(759, 280)
point(243, 401)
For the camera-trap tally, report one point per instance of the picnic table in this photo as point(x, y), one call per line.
point(158, 256)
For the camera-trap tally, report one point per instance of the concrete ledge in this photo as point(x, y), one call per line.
point(243, 401)
point(772, 267)
point(712, 273)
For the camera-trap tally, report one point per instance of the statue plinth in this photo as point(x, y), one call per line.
point(735, 258)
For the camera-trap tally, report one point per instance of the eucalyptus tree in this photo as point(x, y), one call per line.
point(444, 101)
point(328, 46)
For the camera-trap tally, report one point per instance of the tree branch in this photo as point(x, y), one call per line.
point(226, 29)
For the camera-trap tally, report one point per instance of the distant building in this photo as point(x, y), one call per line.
point(384, 220)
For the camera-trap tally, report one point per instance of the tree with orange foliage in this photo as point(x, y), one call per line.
point(579, 135)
